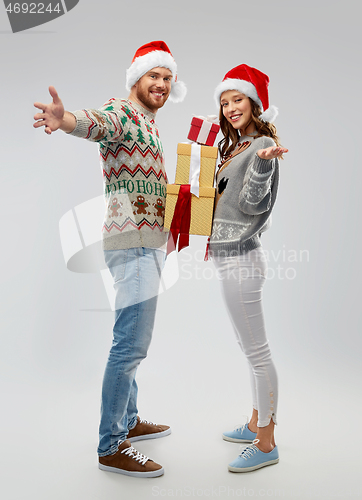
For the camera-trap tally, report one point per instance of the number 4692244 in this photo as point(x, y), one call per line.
point(32, 8)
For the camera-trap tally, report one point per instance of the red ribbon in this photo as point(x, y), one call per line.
point(180, 225)
point(206, 258)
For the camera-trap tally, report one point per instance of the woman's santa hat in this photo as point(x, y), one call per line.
point(153, 55)
point(252, 83)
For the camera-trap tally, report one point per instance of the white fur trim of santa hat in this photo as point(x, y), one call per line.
point(154, 59)
point(270, 114)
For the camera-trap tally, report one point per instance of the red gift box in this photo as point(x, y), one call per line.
point(204, 130)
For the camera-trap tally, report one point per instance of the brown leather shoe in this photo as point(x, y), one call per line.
point(147, 430)
point(127, 460)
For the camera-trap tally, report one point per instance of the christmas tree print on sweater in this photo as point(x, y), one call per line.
point(140, 136)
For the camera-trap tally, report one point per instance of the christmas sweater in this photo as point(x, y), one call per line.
point(245, 195)
point(132, 163)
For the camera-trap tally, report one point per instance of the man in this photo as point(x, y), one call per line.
point(133, 239)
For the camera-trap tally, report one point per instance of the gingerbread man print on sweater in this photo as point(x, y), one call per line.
point(114, 208)
point(159, 207)
point(141, 206)
point(102, 126)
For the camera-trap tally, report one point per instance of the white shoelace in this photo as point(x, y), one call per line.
point(136, 455)
point(249, 451)
point(143, 421)
point(240, 427)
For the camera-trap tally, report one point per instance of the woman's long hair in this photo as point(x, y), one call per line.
point(231, 135)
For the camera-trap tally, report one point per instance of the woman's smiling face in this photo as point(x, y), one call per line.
point(236, 108)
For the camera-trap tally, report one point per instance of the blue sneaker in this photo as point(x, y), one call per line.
point(241, 434)
point(251, 458)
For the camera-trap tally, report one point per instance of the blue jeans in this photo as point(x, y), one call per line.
point(136, 273)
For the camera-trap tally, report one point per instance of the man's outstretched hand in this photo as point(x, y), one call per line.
point(53, 116)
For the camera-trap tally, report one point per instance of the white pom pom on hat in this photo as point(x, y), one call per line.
point(252, 83)
point(152, 55)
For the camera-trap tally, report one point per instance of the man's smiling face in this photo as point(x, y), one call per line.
point(153, 88)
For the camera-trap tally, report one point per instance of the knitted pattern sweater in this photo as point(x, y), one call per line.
point(132, 162)
point(246, 191)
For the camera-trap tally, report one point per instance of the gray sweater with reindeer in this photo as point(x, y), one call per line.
point(245, 195)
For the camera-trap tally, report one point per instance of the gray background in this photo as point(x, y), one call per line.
point(56, 325)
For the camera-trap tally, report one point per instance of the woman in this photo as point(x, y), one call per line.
point(247, 182)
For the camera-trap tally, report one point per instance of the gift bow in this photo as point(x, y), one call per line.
point(209, 118)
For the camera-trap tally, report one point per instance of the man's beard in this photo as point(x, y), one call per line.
point(148, 102)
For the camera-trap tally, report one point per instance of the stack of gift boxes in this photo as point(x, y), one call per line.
point(196, 162)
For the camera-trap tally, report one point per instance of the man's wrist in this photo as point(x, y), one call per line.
point(69, 122)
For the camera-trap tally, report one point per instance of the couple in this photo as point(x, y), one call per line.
point(134, 242)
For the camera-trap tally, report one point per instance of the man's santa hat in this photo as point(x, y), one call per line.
point(153, 55)
point(252, 83)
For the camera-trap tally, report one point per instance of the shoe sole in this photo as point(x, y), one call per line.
point(236, 440)
point(153, 435)
point(255, 467)
point(154, 473)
